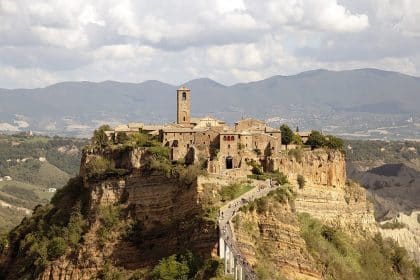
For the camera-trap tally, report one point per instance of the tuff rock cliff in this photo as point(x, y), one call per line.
point(131, 218)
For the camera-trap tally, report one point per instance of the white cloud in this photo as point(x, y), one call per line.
point(402, 16)
point(46, 41)
point(322, 15)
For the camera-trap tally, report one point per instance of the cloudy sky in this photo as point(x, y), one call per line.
point(44, 42)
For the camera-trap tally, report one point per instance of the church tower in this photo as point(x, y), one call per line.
point(183, 105)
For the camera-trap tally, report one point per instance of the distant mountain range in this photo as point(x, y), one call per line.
point(364, 103)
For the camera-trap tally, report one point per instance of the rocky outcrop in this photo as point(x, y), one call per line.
point(409, 235)
point(319, 167)
point(346, 207)
point(165, 211)
point(326, 194)
point(272, 239)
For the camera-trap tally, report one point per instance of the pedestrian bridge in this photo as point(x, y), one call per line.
point(234, 262)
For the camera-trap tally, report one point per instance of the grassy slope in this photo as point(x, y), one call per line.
point(340, 257)
point(32, 178)
point(47, 175)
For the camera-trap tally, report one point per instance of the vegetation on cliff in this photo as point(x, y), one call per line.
point(52, 231)
point(340, 257)
point(318, 140)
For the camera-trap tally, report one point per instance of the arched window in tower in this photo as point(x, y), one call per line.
point(184, 96)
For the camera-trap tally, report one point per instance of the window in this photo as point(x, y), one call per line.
point(184, 119)
point(232, 138)
point(228, 146)
point(184, 96)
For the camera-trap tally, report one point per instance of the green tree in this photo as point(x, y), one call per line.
point(99, 137)
point(316, 139)
point(56, 248)
point(171, 269)
point(297, 139)
point(334, 142)
point(122, 138)
point(286, 135)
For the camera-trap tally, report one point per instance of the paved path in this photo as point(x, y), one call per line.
point(228, 211)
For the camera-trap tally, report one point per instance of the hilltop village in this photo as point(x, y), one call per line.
point(226, 149)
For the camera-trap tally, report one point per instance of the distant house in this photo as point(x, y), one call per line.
point(42, 159)
point(7, 178)
point(304, 135)
point(52, 189)
point(1, 179)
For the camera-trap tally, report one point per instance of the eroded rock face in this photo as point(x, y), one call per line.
point(346, 208)
point(167, 213)
point(408, 236)
point(325, 195)
point(320, 167)
point(272, 238)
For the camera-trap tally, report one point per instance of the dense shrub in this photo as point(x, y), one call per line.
point(97, 166)
point(51, 231)
point(262, 205)
point(99, 138)
point(187, 175)
point(121, 138)
point(392, 225)
point(256, 170)
point(134, 233)
point(56, 248)
point(233, 191)
point(333, 142)
point(297, 154)
point(316, 140)
point(277, 176)
point(301, 181)
point(341, 257)
point(109, 217)
point(182, 267)
point(283, 194)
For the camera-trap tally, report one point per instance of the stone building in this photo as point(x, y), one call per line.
point(225, 148)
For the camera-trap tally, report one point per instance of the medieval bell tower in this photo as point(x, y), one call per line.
point(183, 105)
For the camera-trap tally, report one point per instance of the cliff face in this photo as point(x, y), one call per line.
point(271, 238)
point(326, 195)
point(132, 221)
point(318, 167)
point(409, 235)
point(134, 218)
point(271, 241)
